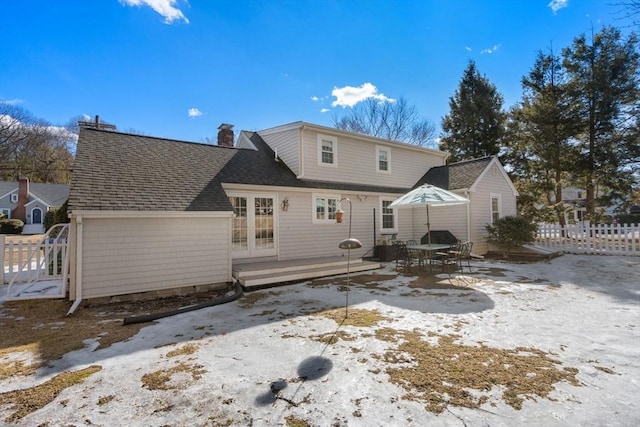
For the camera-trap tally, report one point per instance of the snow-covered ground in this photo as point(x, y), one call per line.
point(250, 354)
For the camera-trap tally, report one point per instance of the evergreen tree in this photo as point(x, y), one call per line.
point(605, 81)
point(475, 125)
point(541, 147)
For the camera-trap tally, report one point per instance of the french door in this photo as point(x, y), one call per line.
point(253, 231)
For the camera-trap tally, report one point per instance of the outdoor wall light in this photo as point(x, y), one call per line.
point(285, 204)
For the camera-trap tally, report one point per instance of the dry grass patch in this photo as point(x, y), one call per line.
point(161, 379)
point(605, 370)
point(356, 317)
point(333, 337)
point(23, 402)
point(449, 373)
point(296, 422)
point(253, 298)
point(185, 350)
point(103, 400)
point(42, 329)
point(367, 281)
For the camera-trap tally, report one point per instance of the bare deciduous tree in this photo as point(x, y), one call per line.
point(397, 121)
point(32, 147)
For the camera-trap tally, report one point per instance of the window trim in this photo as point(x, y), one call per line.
point(314, 211)
point(6, 211)
point(380, 148)
point(13, 198)
point(498, 197)
point(334, 141)
point(383, 230)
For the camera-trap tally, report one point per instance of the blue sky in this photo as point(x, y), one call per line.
point(179, 69)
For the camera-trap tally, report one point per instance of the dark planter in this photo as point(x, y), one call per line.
point(385, 252)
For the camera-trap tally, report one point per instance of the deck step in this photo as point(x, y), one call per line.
point(260, 279)
point(271, 267)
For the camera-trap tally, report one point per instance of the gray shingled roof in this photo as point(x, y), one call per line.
point(117, 171)
point(53, 195)
point(455, 176)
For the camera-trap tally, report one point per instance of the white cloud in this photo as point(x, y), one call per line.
point(491, 49)
point(315, 99)
point(163, 7)
point(325, 110)
point(194, 112)
point(556, 5)
point(467, 48)
point(349, 96)
point(14, 101)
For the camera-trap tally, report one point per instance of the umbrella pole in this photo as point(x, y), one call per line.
point(429, 240)
point(428, 227)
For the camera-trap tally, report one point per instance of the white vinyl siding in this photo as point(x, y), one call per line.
point(355, 163)
point(480, 207)
point(130, 255)
point(301, 237)
point(286, 143)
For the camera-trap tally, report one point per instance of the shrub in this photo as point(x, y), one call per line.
point(511, 232)
point(11, 226)
point(628, 219)
point(56, 216)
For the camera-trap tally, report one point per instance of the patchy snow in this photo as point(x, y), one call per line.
point(251, 354)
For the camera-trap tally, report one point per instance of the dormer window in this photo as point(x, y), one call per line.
point(383, 157)
point(327, 150)
point(14, 197)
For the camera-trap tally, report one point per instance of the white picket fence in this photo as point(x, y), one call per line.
point(613, 239)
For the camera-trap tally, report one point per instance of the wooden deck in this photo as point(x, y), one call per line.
point(260, 275)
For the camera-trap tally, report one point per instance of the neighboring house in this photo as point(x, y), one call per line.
point(150, 213)
point(29, 202)
point(574, 200)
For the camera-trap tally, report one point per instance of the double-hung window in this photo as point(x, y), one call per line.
point(327, 150)
point(388, 219)
point(383, 159)
point(496, 207)
point(324, 208)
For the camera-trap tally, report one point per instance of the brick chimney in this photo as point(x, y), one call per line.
point(23, 198)
point(225, 135)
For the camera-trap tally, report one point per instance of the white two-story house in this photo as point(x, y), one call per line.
point(150, 213)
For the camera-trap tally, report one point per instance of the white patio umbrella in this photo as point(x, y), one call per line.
point(428, 195)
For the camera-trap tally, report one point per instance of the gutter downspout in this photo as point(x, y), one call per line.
point(466, 194)
point(78, 300)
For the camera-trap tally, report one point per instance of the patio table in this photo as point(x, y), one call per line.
point(430, 249)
